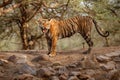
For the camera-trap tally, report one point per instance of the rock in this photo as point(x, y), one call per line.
point(75, 73)
point(26, 69)
point(101, 76)
point(116, 59)
point(109, 66)
point(117, 66)
point(90, 72)
point(114, 75)
point(51, 69)
point(91, 79)
point(62, 70)
point(54, 78)
point(44, 72)
point(83, 77)
point(88, 64)
point(18, 58)
point(23, 77)
point(113, 54)
point(102, 58)
point(110, 73)
point(63, 76)
point(57, 63)
point(5, 78)
point(57, 67)
point(22, 59)
point(3, 61)
point(72, 66)
point(12, 58)
point(73, 78)
point(42, 57)
point(2, 71)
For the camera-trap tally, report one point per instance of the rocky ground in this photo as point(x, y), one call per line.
point(101, 64)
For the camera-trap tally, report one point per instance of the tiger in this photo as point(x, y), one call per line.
point(57, 29)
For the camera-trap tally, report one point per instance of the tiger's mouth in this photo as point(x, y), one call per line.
point(44, 30)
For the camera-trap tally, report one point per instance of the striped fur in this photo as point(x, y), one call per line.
point(66, 28)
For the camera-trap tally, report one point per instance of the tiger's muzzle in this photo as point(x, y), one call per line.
point(44, 30)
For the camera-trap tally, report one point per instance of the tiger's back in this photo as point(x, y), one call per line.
point(78, 24)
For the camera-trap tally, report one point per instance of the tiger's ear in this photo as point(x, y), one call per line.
point(52, 20)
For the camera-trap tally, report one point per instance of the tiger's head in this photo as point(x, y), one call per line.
point(44, 24)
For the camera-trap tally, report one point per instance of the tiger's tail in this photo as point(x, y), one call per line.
point(105, 34)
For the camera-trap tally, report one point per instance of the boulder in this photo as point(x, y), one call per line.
point(90, 72)
point(12, 58)
point(102, 58)
point(18, 58)
point(117, 66)
point(63, 76)
point(113, 54)
point(114, 75)
point(116, 59)
point(42, 57)
point(3, 61)
point(84, 77)
point(62, 70)
point(57, 63)
point(24, 77)
point(108, 66)
point(73, 78)
point(44, 72)
point(54, 78)
point(26, 69)
point(75, 73)
point(72, 66)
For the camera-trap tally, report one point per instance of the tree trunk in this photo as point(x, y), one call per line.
point(24, 36)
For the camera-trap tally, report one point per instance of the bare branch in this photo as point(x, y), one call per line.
point(113, 11)
point(30, 17)
point(3, 12)
point(6, 3)
point(64, 10)
point(57, 6)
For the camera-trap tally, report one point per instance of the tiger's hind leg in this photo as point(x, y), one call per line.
point(89, 42)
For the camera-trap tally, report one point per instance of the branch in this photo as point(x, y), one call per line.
point(6, 3)
point(3, 12)
point(34, 12)
point(65, 9)
point(113, 11)
point(57, 6)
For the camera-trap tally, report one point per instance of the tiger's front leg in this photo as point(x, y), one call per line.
point(53, 47)
point(49, 43)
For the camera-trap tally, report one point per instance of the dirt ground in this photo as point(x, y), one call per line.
point(102, 64)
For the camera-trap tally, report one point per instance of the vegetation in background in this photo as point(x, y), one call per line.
point(19, 29)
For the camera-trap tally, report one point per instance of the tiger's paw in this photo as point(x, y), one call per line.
point(52, 54)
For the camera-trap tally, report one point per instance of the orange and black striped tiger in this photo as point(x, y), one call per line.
point(55, 29)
